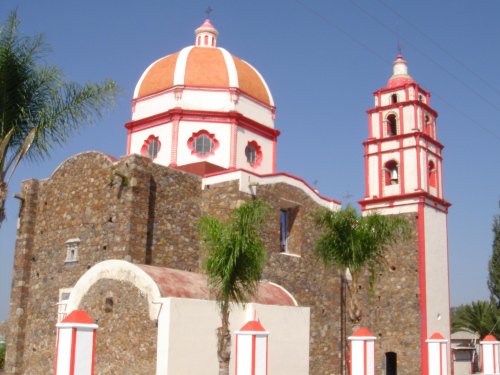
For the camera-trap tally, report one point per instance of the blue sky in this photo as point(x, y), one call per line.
point(322, 61)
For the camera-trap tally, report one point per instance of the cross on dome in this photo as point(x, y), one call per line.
point(206, 35)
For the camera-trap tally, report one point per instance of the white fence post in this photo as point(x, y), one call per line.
point(362, 352)
point(75, 348)
point(489, 355)
point(251, 349)
point(437, 354)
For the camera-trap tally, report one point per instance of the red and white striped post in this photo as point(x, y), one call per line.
point(75, 348)
point(437, 354)
point(489, 355)
point(251, 349)
point(362, 352)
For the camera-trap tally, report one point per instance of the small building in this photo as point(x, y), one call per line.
point(465, 352)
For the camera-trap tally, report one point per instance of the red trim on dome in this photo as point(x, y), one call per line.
point(229, 90)
point(206, 116)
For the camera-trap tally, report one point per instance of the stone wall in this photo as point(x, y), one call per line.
point(126, 337)
point(392, 309)
point(136, 210)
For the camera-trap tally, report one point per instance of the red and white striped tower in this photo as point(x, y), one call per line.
point(437, 352)
point(403, 174)
point(75, 349)
point(251, 349)
point(362, 352)
point(489, 355)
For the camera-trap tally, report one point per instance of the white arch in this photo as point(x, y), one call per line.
point(119, 270)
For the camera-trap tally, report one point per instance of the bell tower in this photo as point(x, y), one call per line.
point(403, 175)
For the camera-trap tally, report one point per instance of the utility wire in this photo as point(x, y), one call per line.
point(383, 59)
point(439, 46)
point(341, 30)
point(430, 58)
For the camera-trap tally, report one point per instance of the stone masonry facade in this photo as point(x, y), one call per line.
point(144, 213)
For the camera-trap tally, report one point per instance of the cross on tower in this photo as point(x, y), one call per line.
point(208, 11)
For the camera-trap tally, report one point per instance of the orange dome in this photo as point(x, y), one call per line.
point(203, 66)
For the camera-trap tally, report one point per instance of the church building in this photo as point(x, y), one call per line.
point(118, 239)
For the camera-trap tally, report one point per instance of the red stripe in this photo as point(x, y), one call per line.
point(267, 355)
point(93, 351)
point(236, 359)
point(365, 355)
point(253, 355)
point(73, 350)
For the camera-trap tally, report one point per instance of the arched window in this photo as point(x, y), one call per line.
point(394, 98)
point(203, 144)
point(253, 154)
point(206, 40)
point(392, 125)
point(432, 174)
point(391, 172)
point(428, 125)
point(151, 147)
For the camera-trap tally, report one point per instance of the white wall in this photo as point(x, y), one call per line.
point(436, 269)
point(187, 336)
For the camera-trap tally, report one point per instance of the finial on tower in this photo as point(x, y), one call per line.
point(206, 34)
point(400, 74)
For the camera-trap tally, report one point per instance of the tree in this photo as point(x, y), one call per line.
point(494, 263)
point(234, 262)
point(352, 243)
point(477, 317)
point(38, 108)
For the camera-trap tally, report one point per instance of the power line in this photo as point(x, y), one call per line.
point(383, 59)
point(439, 46)
point(341, 30)
point(423, 53)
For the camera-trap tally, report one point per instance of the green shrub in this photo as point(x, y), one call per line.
point(2, 355)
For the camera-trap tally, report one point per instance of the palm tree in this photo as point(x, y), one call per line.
point(477, 317)
point(352, 243)
point(38, 109)
point(235, 259)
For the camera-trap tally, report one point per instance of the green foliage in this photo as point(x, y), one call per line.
point(349, 240)
point(234, 262)
point(494, 263)
point(38, 108)
point(235, 253)
point(477, 317)
point(2, 355)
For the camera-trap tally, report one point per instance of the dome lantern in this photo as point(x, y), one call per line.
point(206, 35)
point(400, 74)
